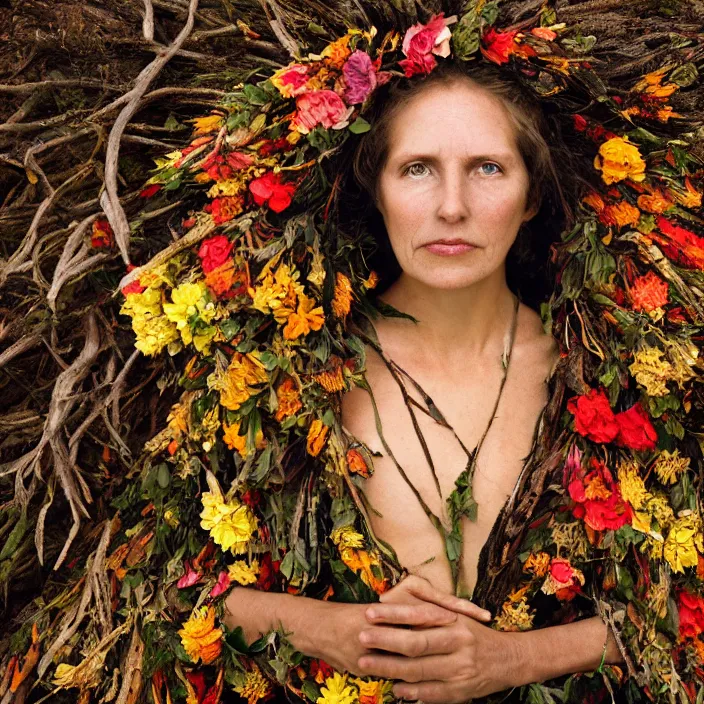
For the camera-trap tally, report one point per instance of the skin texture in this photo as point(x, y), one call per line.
point(453, 172)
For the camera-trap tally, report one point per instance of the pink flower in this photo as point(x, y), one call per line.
point(360, 77)
point(270, 189)
point(291, 81)
point(222, 584)
point(321, 107)
point(422, 41)
point(562, 571)
point(189, 578)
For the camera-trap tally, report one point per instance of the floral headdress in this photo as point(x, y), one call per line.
point(252, 480)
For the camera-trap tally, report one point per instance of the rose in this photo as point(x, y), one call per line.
point(498, 46)
point(422, 41)
point(593, 417)
point(291, 80)
point(360, 77)
point(214, 252)
point(635, 430)
point(270, 189)
point(691, 612)
point(320, 107)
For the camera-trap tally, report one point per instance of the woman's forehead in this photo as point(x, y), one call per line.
point(461, 117)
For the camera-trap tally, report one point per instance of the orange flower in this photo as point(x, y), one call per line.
point(289, 399)
point(655, 202)
point(336, 52)
point(224, 209)
point(221, 279)
point(692, 198)
point(205, 125)
point(306, 318)
point(317, 436)
point(649, 292)
point(342, 301)
point(371, 281)
point(651, 84)
point(357, 463)
point(199, 637)
point(332, 380)
point(620, 214)
point(537, 564)
point(238, 442)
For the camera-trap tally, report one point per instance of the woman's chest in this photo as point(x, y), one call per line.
point(416, 437)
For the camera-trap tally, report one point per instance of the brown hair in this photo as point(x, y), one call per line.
point(547, 192)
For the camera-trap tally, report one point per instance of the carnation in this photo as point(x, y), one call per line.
point(593, 417)
point(320, 107)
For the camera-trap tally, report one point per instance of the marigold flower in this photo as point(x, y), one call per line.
point(649, 292)
point(337, 691)
point(655, 202)
point(618, 160)
point(255, 686)
point(620, 214)
point(371, 281)
point(244, 573)
point(333, 380)
point(224, 209)
point(199, 637)
point(221, 280)
point(336, 53)
point(317, 436)
point(289, 399)
point(235, 441)
point(669, 466)
point(651, 371)
point(632, 485)
point(537, 564)
point(691, 197)
point(594, 201)
point(307, 317)
point(342, 301)
point(239, 381)
point(515, 616)
point(230, 523)
point(357, 464)
point(373, 691)
point(277, 293)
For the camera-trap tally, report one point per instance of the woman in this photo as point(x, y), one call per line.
point(453, 189)
point(292, 461)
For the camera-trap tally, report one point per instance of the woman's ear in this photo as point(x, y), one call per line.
point(531, 212)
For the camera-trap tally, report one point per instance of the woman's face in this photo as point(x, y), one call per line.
point(454, 187)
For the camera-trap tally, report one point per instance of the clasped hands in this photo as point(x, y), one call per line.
point(436, 644)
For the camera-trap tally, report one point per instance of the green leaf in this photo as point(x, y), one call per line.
point(359, 126)
point(229, 328)
point(685, 75)
point(287, 563)
point(329, 418)
point(311, 690)
point(163, 476)
point(256, 96)
point(172, 123)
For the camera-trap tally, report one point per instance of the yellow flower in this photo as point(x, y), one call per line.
point(680, 548)
point(317, 435)
point(337, 691)
point(199, 637)
point(205, 125)
point(238, 442)
point(231, 524)
point(537, 564)
point(239, 381)
point(189, 300)
point(146, 303)
point(306, 318)
point(342, 301)
point(618, 160)
point(347, 537)
point(631, 484)
point(669, 466)
point(153, 333)
point(651, 371)
point(337, 52)
point(255, 686)
point(317, 271)
point(373, 691)
point(277, 293)
point(242, 573)
point(659, 508)
point(515, 616)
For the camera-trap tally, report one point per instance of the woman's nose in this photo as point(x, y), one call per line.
point(453, 198)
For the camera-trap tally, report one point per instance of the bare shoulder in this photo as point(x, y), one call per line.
point(533, 345)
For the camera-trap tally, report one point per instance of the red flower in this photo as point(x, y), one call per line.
point(598, 499)
point(593, 417)
point(561, 570)
point(681, 245)
point(635, 430)
point(103, 236)
point(149, 191)
point(691, 611)
point(224, 209)
point(320, 670)
point(268, 569)
point(580, 123)
point(252, 498)
point(214, 252)
point(498, 46)
point(268, 147)
point(270, 189)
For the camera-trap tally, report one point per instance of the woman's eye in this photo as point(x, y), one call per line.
point(416, 170)
point(488, 168)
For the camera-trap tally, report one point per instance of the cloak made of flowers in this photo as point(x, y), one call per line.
point(264, 300)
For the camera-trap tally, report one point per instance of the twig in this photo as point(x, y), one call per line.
point(110, 200)
point(148, 23)
point(22, 88)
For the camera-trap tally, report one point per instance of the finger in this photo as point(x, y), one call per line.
point(434, 692)
point(399, 667)
point(412, 644)
point(426, 591)
point(421, 614)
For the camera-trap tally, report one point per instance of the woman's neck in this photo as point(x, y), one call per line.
point(452, 323)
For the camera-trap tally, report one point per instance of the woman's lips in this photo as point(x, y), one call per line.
point(449, 248)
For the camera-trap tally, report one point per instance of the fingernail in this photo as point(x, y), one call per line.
point(371, 613)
